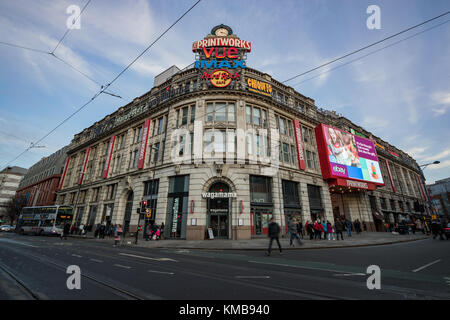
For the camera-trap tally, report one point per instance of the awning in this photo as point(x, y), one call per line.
point(377, 215)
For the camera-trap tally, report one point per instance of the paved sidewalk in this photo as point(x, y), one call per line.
point(363, 239)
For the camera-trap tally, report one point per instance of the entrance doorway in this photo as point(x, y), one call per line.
point(219, 211)
point(128, 207)
point(260, 218)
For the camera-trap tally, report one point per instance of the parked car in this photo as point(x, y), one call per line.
point(447, 231)
point(5, 227)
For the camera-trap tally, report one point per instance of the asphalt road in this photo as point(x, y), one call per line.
point(33, 267)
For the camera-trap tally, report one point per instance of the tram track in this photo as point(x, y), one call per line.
point(123, 293)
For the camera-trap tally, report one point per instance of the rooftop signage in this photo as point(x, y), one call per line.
point(220, 53)
point(260, 87)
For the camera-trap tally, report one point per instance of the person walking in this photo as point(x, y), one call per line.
point(162, 231)
point(117, 233)
point(364, 226)
point(419, 226)
point(310, 229)
point(66, 231)
point(357, 225)
point(348, 227)
point(300, 228)
point(274, 233)
point(330, 231)
point(324, 230)
point(316, 230)
point(339, 226)
point(292, 228)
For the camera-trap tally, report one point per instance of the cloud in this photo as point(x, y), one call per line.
point(441, 101)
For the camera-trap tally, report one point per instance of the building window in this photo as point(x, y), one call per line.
point(256, 116)
point(220, 112)
point(192, 114)
point(290, 194)
point(184, 116)
point(260, 189)
point(156, 152)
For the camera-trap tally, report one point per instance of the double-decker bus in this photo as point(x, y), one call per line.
point(49, 220)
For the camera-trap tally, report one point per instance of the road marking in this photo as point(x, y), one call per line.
point(252, 277)
point(160, 272)
point(121, 266)
point(350, 274)
point(17, 242)
point(95, 260)
point(302, 267)
point(75, 255)
point(142, 257)
point(427, 265)
point(447, 279)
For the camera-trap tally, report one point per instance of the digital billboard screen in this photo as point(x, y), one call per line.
point(344, 155)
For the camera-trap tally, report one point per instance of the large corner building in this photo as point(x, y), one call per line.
point(218, 148)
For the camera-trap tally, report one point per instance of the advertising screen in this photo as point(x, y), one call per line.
point(344, 155)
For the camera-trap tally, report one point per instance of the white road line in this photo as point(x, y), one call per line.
point(427, 265)
point(301, 267)
point(95, 260)
point(75, 255)
point(121, 266)
point(148, 258)
point(160, 272)
point(252, 277)
point(350, 274)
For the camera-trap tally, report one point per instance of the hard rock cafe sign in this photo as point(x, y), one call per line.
point(221, 56)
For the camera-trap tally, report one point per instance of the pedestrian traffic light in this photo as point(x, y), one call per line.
point(143, 206)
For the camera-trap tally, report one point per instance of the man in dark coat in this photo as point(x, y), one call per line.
point(66, 231)
point(274, 232)
point(339, 226)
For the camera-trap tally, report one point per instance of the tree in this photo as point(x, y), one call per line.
point(13, 209)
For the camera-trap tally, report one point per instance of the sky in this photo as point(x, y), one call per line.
point(400, 94)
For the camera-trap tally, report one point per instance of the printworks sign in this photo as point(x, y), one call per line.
point(221, 56)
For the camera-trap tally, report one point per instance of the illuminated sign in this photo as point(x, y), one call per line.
point(220, 78)
point(344, 155)
point(219, 51)
point(214, 64)
point(222, 42)
point(259, 87)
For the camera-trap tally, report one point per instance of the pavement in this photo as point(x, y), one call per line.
point(356, 240)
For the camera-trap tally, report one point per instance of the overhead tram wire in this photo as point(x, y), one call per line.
point(69, 29)
point(366, 47)
point(103, 89)
point(371, 53)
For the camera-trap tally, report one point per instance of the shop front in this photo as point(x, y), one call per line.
point(261, 206)
point(219, 203)
point(177, 207)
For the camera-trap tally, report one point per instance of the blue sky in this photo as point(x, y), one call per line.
point(400, 94)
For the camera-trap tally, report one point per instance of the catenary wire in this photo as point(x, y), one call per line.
point(366, 47)
point(103, 89)
point(371, 53)
point(69, 29)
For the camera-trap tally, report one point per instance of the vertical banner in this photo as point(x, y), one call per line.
point(419, 179)
point(83, 166)
point(143, 148)
point(108, 157)
point(390, 176)
point(298, 139)
point(61, 181)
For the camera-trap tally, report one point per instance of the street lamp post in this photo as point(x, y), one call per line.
point(423, 181)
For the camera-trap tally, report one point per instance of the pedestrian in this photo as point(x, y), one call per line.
point(72, 230)
point(148, 231)
point(316, 230)
point(292, 228)
point(310, 229)
point(419, 226)
point(330, 231)
point(300, 228)
point(274, 233)
point(97, 230)
point(162, 231)
point(117, 234)
point(348, 227)
point(324, 230)
point(339, 226)
point(364, 226)
point(66, 231)
point(357, 225)
point(386, 226)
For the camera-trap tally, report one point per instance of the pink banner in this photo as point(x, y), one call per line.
point(83, 167)
point(61, 181)
point(143, 148)
point(108, 157)
point(298, 139)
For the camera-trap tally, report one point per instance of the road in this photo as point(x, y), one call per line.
point(33, 267)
